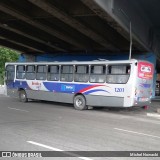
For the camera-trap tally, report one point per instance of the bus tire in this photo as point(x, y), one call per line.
point(23, 96)
point(80, 102)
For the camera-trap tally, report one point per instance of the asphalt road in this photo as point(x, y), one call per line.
point(47, 126)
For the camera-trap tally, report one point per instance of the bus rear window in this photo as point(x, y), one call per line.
point(118, 74)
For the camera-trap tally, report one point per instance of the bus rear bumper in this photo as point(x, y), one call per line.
point(138, 102)
point(142, 103)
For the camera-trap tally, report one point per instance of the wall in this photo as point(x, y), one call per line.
point(26, 58)
point(80, 57)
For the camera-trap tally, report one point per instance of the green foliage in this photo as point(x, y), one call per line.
point(6, 55)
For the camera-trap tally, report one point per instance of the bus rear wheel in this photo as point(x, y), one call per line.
point(23, 96)
point(80, 102)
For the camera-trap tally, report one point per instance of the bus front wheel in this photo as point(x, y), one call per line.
point(23, 96)
point(80, 102)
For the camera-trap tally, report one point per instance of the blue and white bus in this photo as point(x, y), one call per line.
point(105, 83)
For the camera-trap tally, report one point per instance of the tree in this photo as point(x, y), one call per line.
point(6, 55)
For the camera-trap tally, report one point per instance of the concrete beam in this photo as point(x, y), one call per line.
point(40, 26)
point(21, 44)
point(7, 44)
point(62, 16)
point(118, 14)
point(30, 37)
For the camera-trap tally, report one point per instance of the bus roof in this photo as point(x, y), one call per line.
point(77, 62)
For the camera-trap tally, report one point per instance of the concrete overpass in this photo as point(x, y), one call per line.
point(81, 26)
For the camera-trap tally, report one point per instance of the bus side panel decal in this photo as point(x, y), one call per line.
point(96, 90)
point(145, 85)
point(77, 88)
point(64, 87)
point(89, 87)
point(21, 84)
point(101, 89)
point(51, 86)
point(145, 70)
point(67, 87)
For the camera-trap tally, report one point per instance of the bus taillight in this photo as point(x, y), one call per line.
point(136, 91)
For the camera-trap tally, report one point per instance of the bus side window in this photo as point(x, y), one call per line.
point(118, 74)
point(97, 74)
point(53, 73)
point(20, 72)
point(81, 73)
point(30, 72)
point(67, 73)
point(41, 72)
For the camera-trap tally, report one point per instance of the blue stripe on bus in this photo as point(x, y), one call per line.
point(64, 87)
point(145, 85)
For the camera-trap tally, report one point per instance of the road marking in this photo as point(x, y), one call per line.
point(156, 115)
point(149, 135)
point(18, 109)
point(54, 149)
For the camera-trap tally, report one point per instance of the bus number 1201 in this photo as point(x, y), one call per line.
point(119, 89)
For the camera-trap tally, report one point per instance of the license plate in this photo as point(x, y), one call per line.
point(142, 99)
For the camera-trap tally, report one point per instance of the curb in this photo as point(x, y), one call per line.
point(156, 115)
point(158, 110)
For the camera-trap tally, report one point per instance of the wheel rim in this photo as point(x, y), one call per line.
point(79, 102)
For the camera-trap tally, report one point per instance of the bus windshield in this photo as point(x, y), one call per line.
point(10, 73)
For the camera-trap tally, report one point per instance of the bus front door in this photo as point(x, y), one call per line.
point(9, 80)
